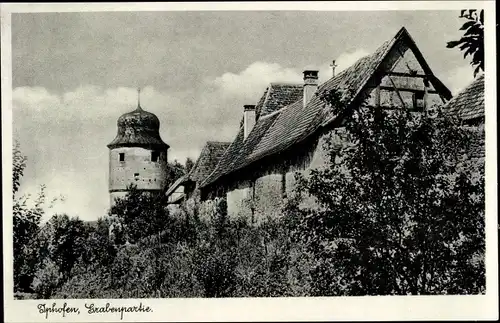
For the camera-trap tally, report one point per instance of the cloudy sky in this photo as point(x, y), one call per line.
point(74, 74)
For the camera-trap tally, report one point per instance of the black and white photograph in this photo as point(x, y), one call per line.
point(158, 155)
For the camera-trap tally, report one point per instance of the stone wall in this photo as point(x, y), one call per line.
point(137, 168)
point(274, 181)
point(239, 200)
point(265, 195)
point(269, 194)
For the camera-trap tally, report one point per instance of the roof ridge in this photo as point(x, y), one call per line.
point(280, 109)
point(218, 142)
point(286, 83)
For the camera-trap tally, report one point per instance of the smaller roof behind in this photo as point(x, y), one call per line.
point(277, 96)
point(209, 157)
point(468, 104)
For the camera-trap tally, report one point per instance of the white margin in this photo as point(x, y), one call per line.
point(478, 307)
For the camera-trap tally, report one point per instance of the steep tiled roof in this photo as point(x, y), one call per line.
point(477, 149)
point(277, 96)
point(208, 160)
point(259, 130)
point(290, 124)
point(227, 159)
point(295, 123)
point(209, 157)
point(469, 103)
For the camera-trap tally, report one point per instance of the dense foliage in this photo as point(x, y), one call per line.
point(188, 165)
point(26, 222)
point(400, 208)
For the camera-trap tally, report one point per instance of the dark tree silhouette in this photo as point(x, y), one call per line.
point(189, 164)
point(400, 209)
point(472, 42)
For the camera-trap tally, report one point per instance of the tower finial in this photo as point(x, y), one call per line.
point(138, 98)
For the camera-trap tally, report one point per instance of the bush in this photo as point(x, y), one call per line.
point(398, 213)
point(47, 279)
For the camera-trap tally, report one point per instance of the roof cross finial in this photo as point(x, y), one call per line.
point(138, 98)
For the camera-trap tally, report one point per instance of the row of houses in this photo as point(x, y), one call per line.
point(282, 133)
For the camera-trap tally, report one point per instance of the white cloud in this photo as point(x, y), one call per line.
point(343, 61)
point(252, 81)
point(347, 59)
point(458, 78)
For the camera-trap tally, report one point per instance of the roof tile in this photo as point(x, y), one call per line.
point(469, 103)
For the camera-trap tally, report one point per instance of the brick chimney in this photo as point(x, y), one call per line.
point(248, 119)
point(333, 66)
point(310, 85)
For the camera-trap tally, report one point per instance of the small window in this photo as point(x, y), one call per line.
point(122, 157)
point(155, 156)
point(418, 101)
point(136, 175)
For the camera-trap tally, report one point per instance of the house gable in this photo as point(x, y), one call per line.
point(396, 69)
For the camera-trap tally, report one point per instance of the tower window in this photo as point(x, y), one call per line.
point(155, 156)
point(122, 157)
point(136, 175)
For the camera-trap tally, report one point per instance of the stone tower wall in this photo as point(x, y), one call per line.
point(137, 168)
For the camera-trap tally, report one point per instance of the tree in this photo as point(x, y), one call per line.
point(174, 171)
point(472, 42)
point(188, 165)
point(98, 249)
point(399, 211)
point(18, 166)
point(26, 220)
point(142, 214)
point(47, 278)
point(66, 242)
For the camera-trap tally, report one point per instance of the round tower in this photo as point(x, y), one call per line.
point(137, 155)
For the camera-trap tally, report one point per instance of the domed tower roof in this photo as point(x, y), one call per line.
point(138, 128)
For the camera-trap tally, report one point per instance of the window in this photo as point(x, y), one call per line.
point(122, 157)
point(136, 176)
point(418, 101)
point(155, 156)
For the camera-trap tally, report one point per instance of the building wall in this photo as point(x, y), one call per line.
point(137, 168)
point(239, 200)
point(269, 194)
point(276, 182)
